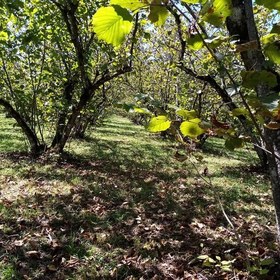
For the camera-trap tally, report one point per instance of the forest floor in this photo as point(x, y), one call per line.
point(119, 205)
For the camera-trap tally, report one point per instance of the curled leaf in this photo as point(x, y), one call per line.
point(273, 125)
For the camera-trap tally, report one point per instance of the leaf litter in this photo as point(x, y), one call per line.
point(72, 218)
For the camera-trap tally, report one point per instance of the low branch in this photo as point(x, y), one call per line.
point(133, 40)
point(212, 82)
point(31, 136)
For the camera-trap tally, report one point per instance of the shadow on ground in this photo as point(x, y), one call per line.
point(116, 213)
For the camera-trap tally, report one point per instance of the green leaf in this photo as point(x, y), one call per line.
point(240, 111)
point(251, 79)
point(233, 143)
point(191, 128)
point(216, 11)
point(272, 51)
point(209, 262)
point(186, 115)
point(227, 263)
point(112, 24)
point(194, 1)
point(268, 262)
point(226, 268)
point(4, 36)
point(270, 4)
point(157, 124)
point(141, 111)
point(195, 42)
point(269, 38)
point(264, 271)
point(191, 1)
point(158, 15)
point(132, 5)
point(202, 257)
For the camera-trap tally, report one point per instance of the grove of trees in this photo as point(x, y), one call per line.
point(54, 71)
point(225, 45)
point(190, 67)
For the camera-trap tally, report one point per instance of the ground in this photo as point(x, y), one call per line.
point(119, 205)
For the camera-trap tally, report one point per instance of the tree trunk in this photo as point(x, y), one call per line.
point(61, 123)
point(273, 144)
point(35, 146)
point(85, 98)
point(81, 126)
point(241, 24)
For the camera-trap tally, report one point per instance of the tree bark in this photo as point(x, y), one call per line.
point(272, 144)
point(61, 123)
point(59, 144)
point(35, 146)
point(241, 24)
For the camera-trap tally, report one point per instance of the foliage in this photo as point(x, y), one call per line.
point(112, 24)
point(259, 80)
point(53, 67)
point(200, 68)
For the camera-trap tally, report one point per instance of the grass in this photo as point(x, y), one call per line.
point(118, 205)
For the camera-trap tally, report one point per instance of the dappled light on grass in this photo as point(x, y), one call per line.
point(11, 138)
point(119, 206)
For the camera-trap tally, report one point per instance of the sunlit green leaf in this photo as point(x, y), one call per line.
point(158, 15)
point(270, 4)
point(191, 1)
point(240, 111)
point(203, 257)
point(132, 5)
point(191, 129)
point(3, 36)
point(216, 11)
point(157, 124)
point(227, 263)
point(142, 110)
point(194, 1)
point(226, 268)
point(272, 51)
point(186, 115)
point(209, 262)
point(195, 42)
point(112, 24)
point(269, 38)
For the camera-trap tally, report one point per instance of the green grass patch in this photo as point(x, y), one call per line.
point(118, 205)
